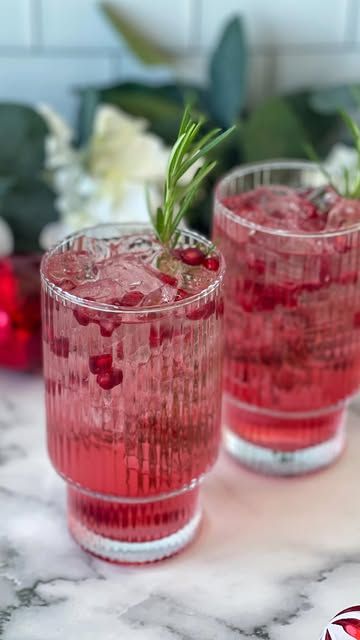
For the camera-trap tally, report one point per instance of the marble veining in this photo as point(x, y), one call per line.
point(275, 559)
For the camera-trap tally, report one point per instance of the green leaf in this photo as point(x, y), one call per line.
point(163, 113)
point(228, 71)
point(332, 99)
point(143, 47)
point(23, 133)
point(90, 100)
point(27, 206)
point(273, 131)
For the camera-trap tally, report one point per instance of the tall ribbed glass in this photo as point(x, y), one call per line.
point(292, 323)
point(133, 401)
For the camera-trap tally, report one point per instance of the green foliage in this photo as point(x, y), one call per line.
point(27, 206)
point(22, 141)
point(142, 47)
point(273, 131)
point(331, 99)
point(227, 74)
point(26, 203)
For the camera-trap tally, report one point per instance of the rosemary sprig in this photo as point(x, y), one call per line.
point(188, 149)
point(350, 187)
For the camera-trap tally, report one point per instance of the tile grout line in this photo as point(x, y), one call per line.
point(351, 22)
point(36, 39)
point(195, 30)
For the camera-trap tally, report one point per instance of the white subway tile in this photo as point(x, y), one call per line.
point(14, 23)
point(293, 71)
point(80, 23)
point(33, 79)
point(284, 22)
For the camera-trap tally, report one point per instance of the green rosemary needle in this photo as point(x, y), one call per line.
point(188, 149)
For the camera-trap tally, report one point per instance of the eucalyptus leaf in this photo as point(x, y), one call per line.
point(143, 47)
point(23, 133)
point(27, 207)
point(90, 100)
point(228, 71)
point(273, 131)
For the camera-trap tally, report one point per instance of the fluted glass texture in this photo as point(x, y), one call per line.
point(292, 328)
point(132, 452)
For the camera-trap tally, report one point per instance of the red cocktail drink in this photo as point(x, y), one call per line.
point(133, 359)
point(292, 248)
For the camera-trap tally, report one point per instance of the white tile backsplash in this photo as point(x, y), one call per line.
point(47, 47)
point(80, 23)
point(34, 79)
point(292, 71)
point(279, 23)
point(15, 23)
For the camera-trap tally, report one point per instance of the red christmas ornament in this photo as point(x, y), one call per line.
point(20, 316)
point(345, 624)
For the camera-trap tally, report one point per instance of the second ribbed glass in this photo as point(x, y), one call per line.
point(292, 323)
point(133, 401)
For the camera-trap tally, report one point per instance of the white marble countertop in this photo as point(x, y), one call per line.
point(275, 559)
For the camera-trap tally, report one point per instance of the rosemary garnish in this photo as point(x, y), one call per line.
point(189, 148)
point(350, 184)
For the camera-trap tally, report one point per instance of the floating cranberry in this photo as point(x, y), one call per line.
point(159, 334)
point(181, 295)
point(107, 327)
point(100, 363)
point(212, 263)
point(356, 320)
point(191, 256)
point(203, 312)
point(220, 308)
point(109, 379)
point(131, 299)
point(81, 317)
point(120, 351)
point(60, 347)
point(166, 278)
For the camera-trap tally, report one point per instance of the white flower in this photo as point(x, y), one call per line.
point(105, 181)
point(341, 156)
point(6, 239)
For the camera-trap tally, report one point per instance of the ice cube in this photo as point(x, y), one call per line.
point(104, 291)
point(345, 213)
point(75, 266)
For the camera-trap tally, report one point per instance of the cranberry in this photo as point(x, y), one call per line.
point(60, 347)
point(120, 350)
point(159, 334)
point(181, 295)
point(356, 320)
point(81, 317)
point(109, 379)
point(191, 256)
point(131, 299)
point(100, 363)
point(220, 308)
point(107, 327)
point(212, 263)
point(166, 278)
point(202, 313)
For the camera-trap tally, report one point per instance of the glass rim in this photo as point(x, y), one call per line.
point(111, 308)
point(249, 168)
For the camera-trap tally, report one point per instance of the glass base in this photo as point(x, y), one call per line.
point(133, 531)
point(279, 443)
